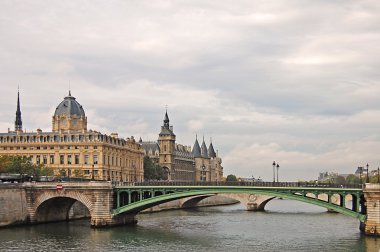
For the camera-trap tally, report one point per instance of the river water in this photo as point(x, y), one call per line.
point(285, 226)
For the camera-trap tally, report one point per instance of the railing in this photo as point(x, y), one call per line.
point(258, 184)
point(178, 183)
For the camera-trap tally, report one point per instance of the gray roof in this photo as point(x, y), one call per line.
point(211, 151)
point(153, 146)
point(166, 131)
point(70, 107)
point(196, 149)
point(204, 149)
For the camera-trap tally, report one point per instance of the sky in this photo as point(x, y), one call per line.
point(296, 81)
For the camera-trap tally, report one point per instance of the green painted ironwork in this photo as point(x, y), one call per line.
point(144, 196)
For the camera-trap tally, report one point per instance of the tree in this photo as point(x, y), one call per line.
point(231, 178)
point(152, 170)
point(23, 166)
point(352, 179)
point(5, 162)
point(340, 180)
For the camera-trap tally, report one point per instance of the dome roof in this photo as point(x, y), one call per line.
point(70, 107)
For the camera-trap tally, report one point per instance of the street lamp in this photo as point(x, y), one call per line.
point(367, 173)
point(278, 166)
point(274, 171)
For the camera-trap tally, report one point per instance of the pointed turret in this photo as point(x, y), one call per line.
point(204, 149)
point(196, 149)
point(18, 121)
point(211, 151)
point(166, 129)
point(166, 120)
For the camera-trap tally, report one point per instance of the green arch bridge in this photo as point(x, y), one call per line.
point(346, 199)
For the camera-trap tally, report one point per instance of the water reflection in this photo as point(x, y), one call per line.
point(285, 226)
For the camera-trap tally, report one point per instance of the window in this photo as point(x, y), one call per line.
point(95, 147)
point(62, 159)
point(76, 159)
point(112, 160)
point(76, 147)
point(95, 157)
point(68, 159)
point(86, 172)
point(38, 161)
point(52, 147)
point(44, 157)
point(38, 147)
point(96, 172)
point(85, 159)
point(31, 159)
point(32, 148)
point(51, 159)
point(45, 147)
point(86, 147)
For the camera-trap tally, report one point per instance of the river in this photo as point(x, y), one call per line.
point(285, 226)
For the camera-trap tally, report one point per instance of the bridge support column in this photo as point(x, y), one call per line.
point(372, 207)
point(103, 202)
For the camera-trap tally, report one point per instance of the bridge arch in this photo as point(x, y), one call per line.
point(55, 206)
point(269, 194)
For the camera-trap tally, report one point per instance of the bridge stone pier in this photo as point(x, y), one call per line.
point(372, 207)
point(49, 202)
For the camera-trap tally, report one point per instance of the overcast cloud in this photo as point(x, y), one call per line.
point(292, 81)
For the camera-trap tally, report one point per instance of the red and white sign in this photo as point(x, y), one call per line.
point(59, 187)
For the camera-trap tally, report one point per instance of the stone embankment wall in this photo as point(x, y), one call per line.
point(13, 207)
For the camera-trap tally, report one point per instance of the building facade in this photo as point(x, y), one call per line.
point(180, 162)
point(72, 150)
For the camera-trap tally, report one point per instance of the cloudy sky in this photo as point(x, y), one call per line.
point(297, 82)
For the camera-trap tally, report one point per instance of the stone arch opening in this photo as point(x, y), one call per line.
point(61, 209)
point(166, 173)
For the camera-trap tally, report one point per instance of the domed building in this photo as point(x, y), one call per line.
point(72, 150)
point(69, 116)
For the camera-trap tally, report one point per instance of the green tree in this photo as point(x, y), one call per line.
point(23, 166)
point(339, 180)
point(5, 162)
point(152, 170)
point(231, 178)
point(352, 179)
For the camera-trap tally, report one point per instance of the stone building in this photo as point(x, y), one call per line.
point(180, 162)
point(73, 150)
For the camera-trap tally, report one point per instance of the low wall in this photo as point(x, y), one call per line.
point(13, 209)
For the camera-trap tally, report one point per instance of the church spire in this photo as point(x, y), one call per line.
point(166, 119)
point(18, 121)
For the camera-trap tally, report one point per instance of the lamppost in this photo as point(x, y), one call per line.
point(274, 171)
point(367, 173)
point(278, 166)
